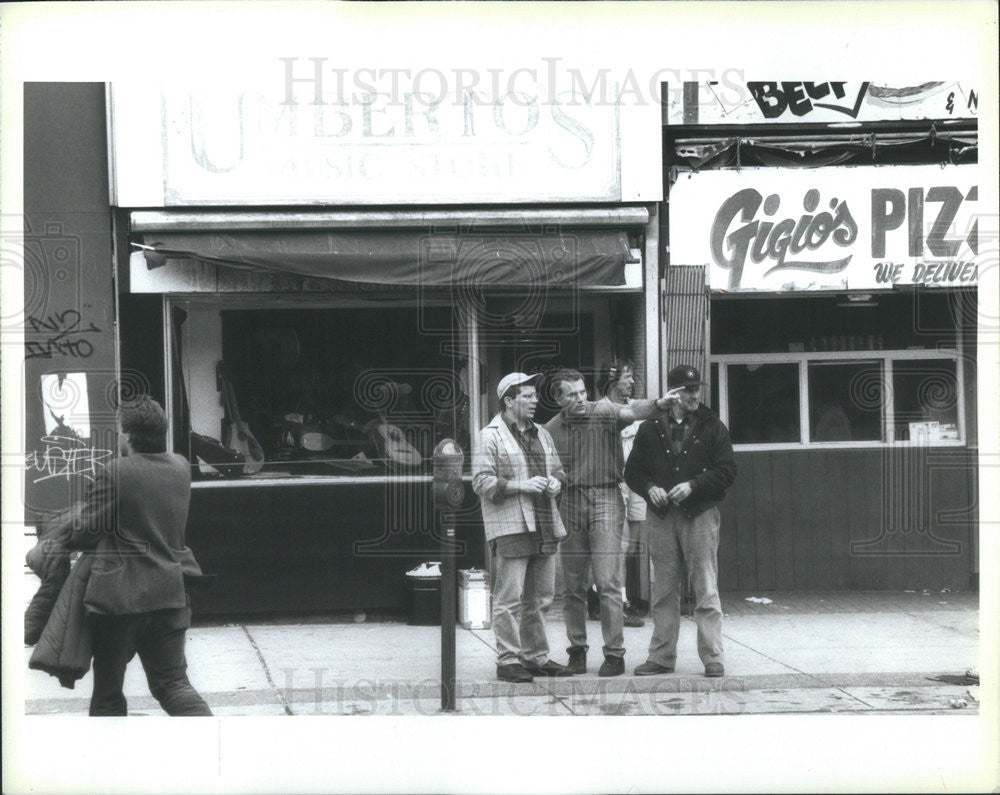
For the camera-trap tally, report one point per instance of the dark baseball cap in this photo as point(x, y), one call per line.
point(683, 375)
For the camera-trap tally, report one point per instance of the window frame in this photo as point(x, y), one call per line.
point(470, 339)
point(886, 357)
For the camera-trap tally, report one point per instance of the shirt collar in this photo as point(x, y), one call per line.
point(514, 429)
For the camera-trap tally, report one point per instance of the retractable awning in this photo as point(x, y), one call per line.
point(567, 258)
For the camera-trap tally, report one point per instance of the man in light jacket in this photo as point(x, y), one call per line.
point(517, 475)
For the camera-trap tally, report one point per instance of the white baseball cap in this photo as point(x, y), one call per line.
point(514, 379)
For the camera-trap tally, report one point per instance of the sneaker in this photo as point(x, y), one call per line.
point(650, 668)
point(547, 668)
point(514, 672)
point(632, 620)
point(577, 661)
point(714, 669)
point(612, 666)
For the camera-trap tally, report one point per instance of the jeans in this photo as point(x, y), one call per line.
point(523, 589)
point(676, 541)
point(158, 637)
point(594, 518)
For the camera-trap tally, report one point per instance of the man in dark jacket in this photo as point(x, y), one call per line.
point(134, 518)
point(682, 464)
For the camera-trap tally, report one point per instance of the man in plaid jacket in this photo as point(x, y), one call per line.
point(517, 475)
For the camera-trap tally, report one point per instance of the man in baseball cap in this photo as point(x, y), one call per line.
point(514, 379)
point(517, 474)
point(682, 464)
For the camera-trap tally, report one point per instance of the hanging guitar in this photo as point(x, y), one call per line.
point(237, 434)
point(391, 443)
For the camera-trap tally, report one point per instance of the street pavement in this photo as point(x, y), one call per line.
point(801, 653)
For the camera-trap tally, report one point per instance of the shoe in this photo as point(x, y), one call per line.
point(635, 608)
point(577, 661)
point(612, 666)
point(633, 621)
point(548, 668)
point(593, 605)
point(514, 672)
point(714, 669)
point(650, 668)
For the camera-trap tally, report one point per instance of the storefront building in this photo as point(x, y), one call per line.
point(821, 244)
point(318, 294)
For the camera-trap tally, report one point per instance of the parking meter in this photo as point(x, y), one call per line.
point(449, 490)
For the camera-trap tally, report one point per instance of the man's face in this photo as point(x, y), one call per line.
point(690, 398)
point(523, 406)
point(572, 397)
point(626, 382)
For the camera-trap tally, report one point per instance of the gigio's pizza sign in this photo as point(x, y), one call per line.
point(831, 228)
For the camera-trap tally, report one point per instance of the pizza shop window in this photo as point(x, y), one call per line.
point(925, 397)
point(763, 403)
point(845, 400)
point(313, 390)
point(828, 371)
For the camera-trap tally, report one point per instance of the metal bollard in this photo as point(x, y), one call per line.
point(448, 613)
point(448, 491)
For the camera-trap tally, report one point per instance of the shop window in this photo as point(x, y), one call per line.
point(901, 397)
point(318, 391)
point(845, 400)
point(925, 400)
point(357, 388)
point(763, 403)
point(826, 370)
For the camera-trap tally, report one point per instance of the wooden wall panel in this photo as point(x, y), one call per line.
point(743, 496)
point(859, 567)
point(817, 522)
point(837, 520)
point(728, 547)
point(801, 524)
point(842, 483)
point(784, 519)
point(764, 523)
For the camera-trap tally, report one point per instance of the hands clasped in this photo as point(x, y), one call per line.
point(661, 497)
point(540, 484)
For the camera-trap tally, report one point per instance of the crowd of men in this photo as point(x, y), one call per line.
point(577, 487)
point(570, 487)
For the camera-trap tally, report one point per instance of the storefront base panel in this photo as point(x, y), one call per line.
point(294, 549)
point(850, 519)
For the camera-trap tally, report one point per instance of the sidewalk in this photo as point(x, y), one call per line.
point(866, 652)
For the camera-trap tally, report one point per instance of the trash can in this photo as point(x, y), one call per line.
point(423, 595)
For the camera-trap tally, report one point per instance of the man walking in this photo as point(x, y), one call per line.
point(683, 464)
point(586, 434)
point(516, 473)
point(134, 518)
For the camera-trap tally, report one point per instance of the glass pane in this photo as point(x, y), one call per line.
point(845, 401)
point(763, 403)
point(925, 395)
point(322, 391)
point(714, 404)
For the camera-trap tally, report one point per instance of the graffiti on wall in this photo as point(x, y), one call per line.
point(797, 102)
point(65, 450)
point(59, 334)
